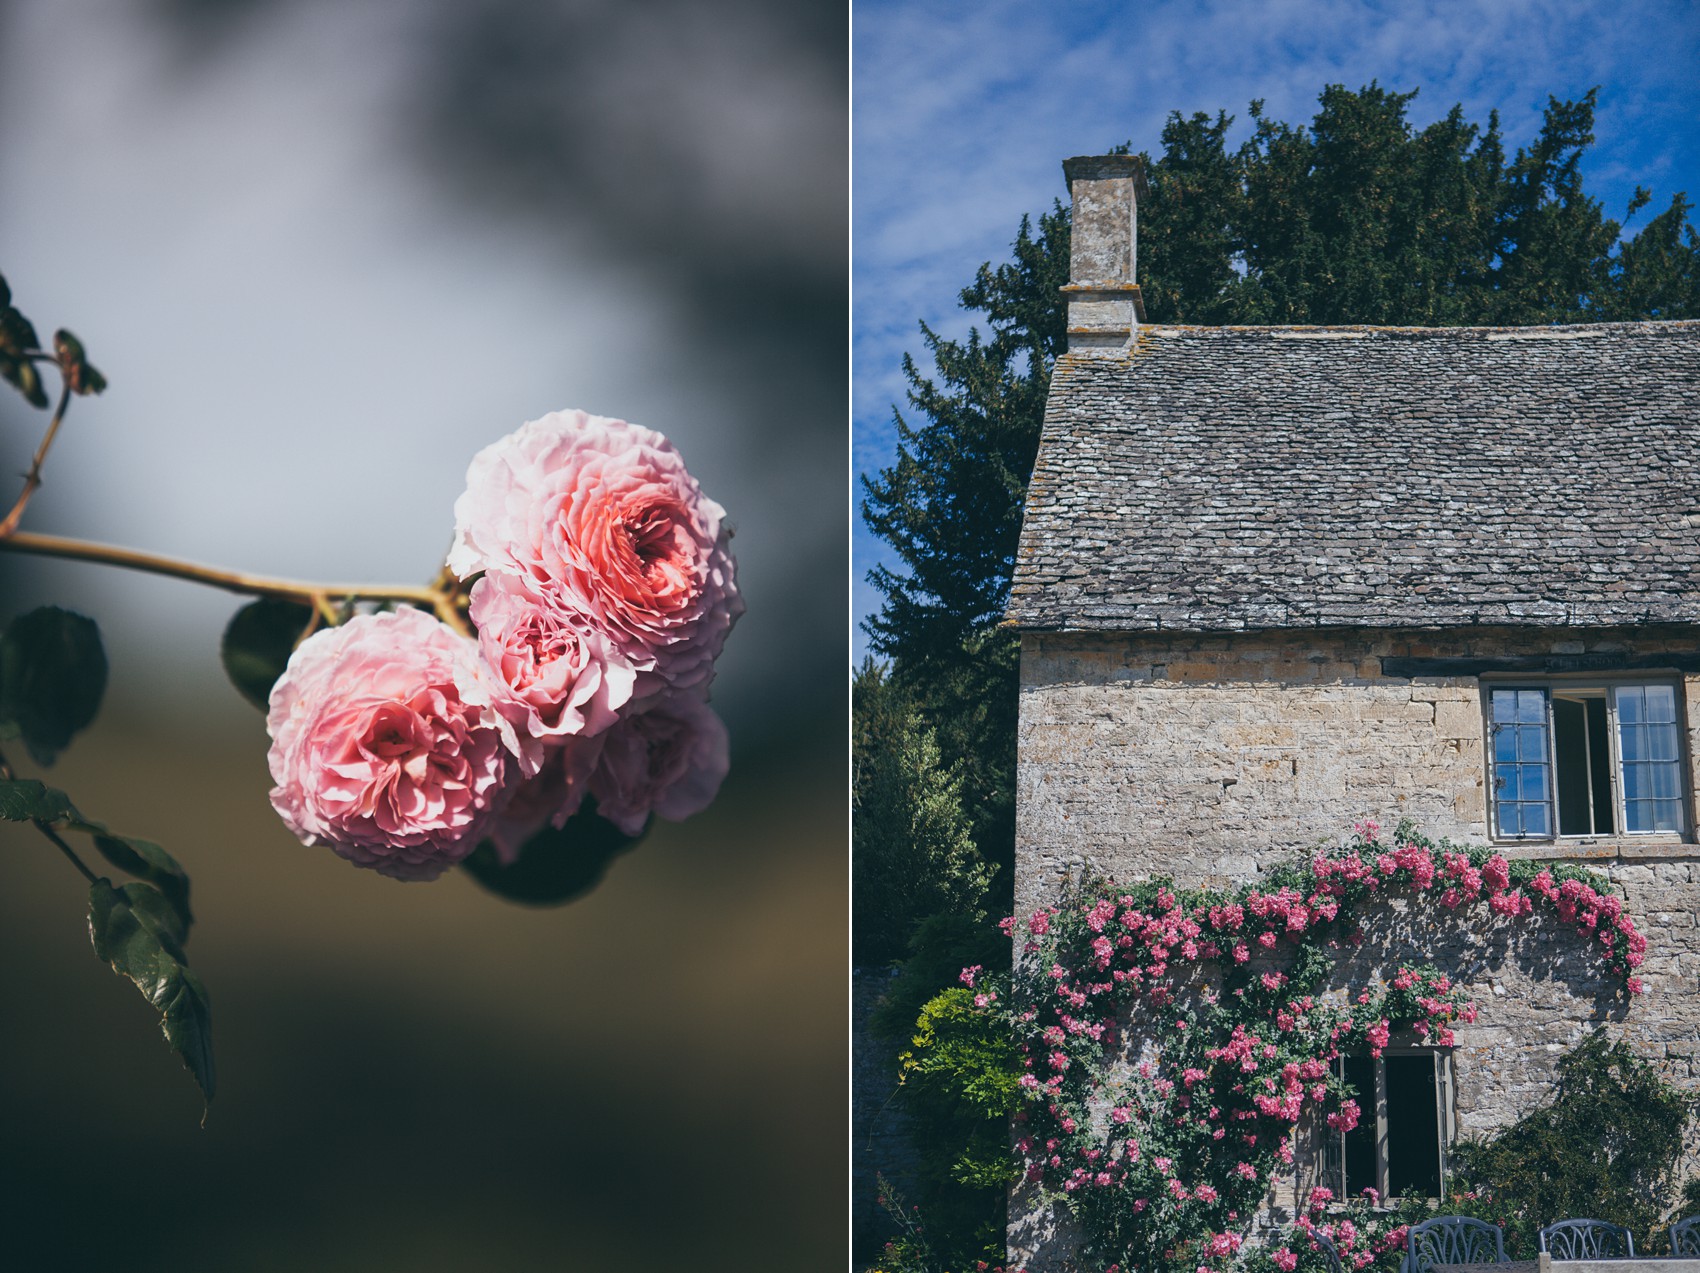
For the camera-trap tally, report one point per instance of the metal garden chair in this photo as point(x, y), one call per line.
point(1452, 1240)
point(1685, 1238)
point(1587, 1240)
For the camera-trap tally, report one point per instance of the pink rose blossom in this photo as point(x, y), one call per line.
point(387, 744)
point(603, 516)
point(669, 760)
point(563, 677)
point(548, 798)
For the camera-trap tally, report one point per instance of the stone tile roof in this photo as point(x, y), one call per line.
point(1219, 479)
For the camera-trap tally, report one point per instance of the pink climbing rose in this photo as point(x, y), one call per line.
point(388, 744)
point(548, 798)
point(606, 520)
point(668, 760)
point(562, 677)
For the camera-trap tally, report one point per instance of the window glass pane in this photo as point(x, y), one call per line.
point(1522, 780)
point(1504, 743)
point(1653, 813)
point(1532, 744)
point(1661, 742)
point(1661, 703)
point(1650, 751)
point(1632, 741)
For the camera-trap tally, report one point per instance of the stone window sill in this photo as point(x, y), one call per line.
point(1605, 848)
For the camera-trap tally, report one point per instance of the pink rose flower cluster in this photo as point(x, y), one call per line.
point(1233, 1058)
point(604, 591)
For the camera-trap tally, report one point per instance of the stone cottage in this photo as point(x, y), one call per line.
point(1274, 581)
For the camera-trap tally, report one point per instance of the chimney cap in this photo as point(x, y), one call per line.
point(1102, 167)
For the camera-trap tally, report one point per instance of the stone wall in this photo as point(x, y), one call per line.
point(1209, 758)
point(1204, 757)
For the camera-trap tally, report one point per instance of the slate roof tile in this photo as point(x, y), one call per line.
point(1218, 479)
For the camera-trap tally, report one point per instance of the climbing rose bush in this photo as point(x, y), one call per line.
point(388, 744)
point(1171, 1041)
point(604, 592)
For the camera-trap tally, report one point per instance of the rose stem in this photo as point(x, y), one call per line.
point(50, 833)
point(33, 478)
point(312, 594)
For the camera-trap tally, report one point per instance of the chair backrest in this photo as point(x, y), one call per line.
point(1587, 1240)
point(1322, 1242)
point(1685, 1238)
point(1453, 1240)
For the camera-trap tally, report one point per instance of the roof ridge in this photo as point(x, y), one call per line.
point(1645, 324)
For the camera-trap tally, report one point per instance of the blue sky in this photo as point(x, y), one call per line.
point(962, 114)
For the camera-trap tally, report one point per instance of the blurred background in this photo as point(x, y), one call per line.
point(325, 252)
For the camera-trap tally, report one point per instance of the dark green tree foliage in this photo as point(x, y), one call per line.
point(1189, 223)
point(1606, 1148)
point(914, 856)
point(1360, 218)
point(1658, 272)
point(951, 508)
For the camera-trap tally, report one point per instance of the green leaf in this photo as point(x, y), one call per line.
point(134, 933)
point(159, 916)
point(146, 860)
point(23, 374)
point(258, 643)
point(26, 800)
point(556, 865)
point(52, 677)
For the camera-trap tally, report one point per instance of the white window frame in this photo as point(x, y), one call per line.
point(1445, 1123)
point(1588, 687)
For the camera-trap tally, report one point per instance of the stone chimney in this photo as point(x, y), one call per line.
point(1104, 305)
